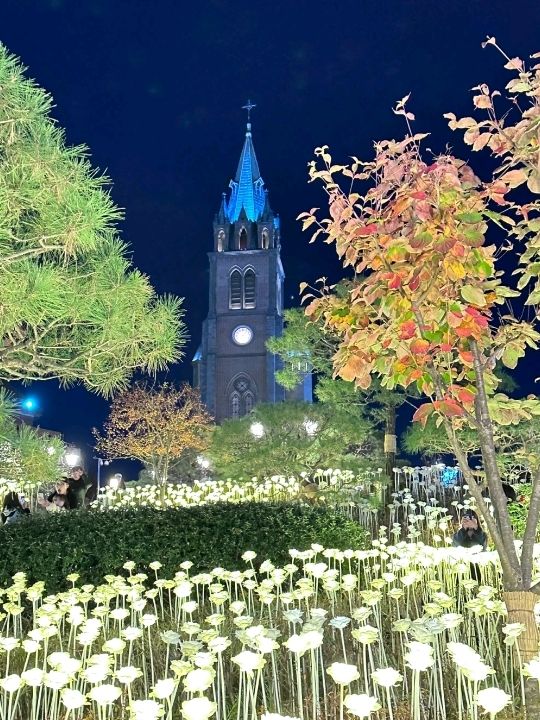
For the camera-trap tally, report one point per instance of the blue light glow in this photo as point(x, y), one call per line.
point(29, 404)
point(247, 189)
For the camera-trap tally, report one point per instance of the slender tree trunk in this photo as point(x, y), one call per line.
point(390, 449)
point(519, 599)
point(390, 441)
point(531, 529)
point(511, 580)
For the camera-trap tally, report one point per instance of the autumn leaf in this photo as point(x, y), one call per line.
point(465, 396)
point(419, 347)
point(353, 368)
point(407, 330)
point(473, 295)
point(424, 411)
point(533, 182)
point(514, 178)
point(511, 354)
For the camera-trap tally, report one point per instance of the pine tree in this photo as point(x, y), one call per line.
point(73, 308)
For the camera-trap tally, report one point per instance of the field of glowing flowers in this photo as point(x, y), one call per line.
point(400, 630)
point(405, 629)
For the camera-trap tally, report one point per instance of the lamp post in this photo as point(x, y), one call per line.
point(100, 463)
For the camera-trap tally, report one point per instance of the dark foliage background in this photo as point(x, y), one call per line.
point(96, 543)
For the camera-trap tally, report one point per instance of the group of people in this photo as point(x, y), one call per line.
point(70, 493)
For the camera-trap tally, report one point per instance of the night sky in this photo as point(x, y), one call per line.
point(155, 89)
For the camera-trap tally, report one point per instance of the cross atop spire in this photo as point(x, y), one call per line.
point(249, 107)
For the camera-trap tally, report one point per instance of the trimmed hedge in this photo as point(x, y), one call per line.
point(50, 546)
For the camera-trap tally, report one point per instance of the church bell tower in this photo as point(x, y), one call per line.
point(232, 366)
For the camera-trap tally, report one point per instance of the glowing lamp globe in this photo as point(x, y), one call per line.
point(29, 404)
point(257, 429)
point(71, 458)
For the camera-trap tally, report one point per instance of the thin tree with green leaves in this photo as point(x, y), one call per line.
point(430, 304)
point(291, 438)
point(305, 343)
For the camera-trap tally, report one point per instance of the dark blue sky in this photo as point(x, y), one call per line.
point(155, 87)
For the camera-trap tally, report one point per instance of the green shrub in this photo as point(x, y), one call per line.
point(520, 510)
point(50, 546)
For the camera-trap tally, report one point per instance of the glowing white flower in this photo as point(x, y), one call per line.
point(200, 708)
point(198, 680)
point(95, 674)
point(478, 672)
point(342, 673)
point(56, 679)
point(33, 677)
point(11, 683)
point(72, 699)
point(340, 622)
point(386, 677)
point(365, 634)
point(31, 646)
point(170, 637)
point(361, 705)
point(9, 643)
point(114, 646)
point(297, 644)
point(131, 633)
point(105, 694)
point(312, 639)
point(128, 674)
point(532, 668)
point(420, 656)
point(249, 661)
point(164, 688)
point(145, 710)
point(493, 700)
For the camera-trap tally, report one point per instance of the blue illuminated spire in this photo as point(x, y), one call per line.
point(247, 188)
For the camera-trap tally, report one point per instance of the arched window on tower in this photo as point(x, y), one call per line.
point(221, 241)
point(250, 286)
point(248, 402)
point(264, 240)
point(235, 290)
point(235, 405)
point(243, 239)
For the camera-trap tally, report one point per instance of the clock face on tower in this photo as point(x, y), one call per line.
point(242, 335)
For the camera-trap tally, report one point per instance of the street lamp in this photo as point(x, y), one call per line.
point(29, 405)
point(257, 429)
point(100, 463)
point(72, 457)
point(311, 427)
point(115, 482)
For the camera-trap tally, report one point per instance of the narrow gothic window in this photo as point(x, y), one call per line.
point(264, 239)
point(248, 403)
point(235, 290)
point(249, 289)
point(235, 405)
point(220, 241)
point(243, 239)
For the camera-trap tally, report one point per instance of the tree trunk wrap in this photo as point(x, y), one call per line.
point(520, 606)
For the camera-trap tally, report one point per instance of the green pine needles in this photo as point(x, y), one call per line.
point(71, 306)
